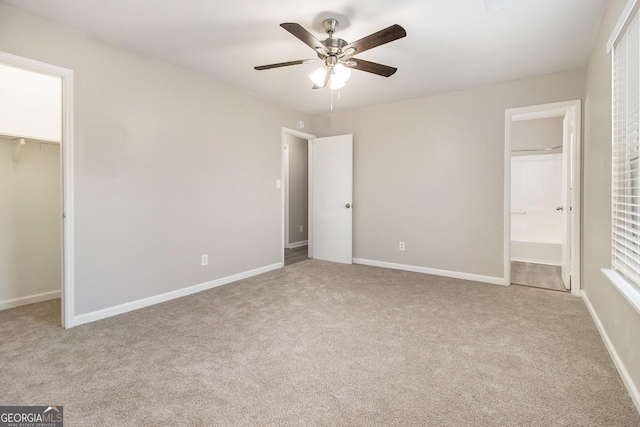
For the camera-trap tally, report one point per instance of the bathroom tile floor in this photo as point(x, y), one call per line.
point(537, 275)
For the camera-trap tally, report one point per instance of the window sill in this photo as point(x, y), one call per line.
point(629, 291)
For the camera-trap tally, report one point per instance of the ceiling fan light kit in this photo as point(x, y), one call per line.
point(337, 55)
point(339, 74)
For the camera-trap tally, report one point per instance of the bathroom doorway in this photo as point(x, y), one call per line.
point(542, 196)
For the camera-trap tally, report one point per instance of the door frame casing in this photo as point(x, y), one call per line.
point(557, 109)
point(66, 167)
point(283, 194)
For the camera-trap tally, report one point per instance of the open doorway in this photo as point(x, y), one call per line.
point(295, 177)
point(329, 197)
point(37, 218)
point(542, 196)
point(537, 210)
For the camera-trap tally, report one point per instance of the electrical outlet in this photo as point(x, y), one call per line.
point(401, 246)
point(205, 260)
point(301, 228)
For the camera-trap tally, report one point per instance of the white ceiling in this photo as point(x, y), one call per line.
point(450, 45)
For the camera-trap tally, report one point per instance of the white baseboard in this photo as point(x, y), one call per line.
point(146, 302)
point(31, 299)
point(622, 370)
point(298, 244)
point(433, 271)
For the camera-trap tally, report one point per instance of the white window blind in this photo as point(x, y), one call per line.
point(625, 153)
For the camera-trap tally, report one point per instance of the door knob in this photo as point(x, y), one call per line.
point(348, 205)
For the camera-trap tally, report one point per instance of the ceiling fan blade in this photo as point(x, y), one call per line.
point(370, 67)
point(305, 36)
point(284, 64)
point(387, 35)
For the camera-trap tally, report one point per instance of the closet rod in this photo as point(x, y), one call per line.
point(537, 149)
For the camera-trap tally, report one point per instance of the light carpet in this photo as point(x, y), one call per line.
point(318, 343)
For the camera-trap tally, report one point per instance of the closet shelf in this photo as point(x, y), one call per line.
point(28, 138)
point(19, 142)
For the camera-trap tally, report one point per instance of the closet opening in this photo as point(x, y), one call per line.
point(35, 188)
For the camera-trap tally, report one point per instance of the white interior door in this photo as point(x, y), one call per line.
point(567, 144)
point(332, 178)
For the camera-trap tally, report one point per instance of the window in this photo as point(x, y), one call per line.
point(625, 155)
point(626, 103)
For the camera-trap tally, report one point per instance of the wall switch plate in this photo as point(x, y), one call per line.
point(205, 260)
point(301, 228)
point(278, 183)
point(401, 246)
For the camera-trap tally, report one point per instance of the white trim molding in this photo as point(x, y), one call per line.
point(622, 370)
point(432, 271)
point(31, 299)
point(168, 296)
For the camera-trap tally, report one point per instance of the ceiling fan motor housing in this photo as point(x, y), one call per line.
point(334, 50)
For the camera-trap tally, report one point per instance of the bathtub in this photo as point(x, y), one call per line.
point(536, 252)
point(536, 236)
point(536, 225)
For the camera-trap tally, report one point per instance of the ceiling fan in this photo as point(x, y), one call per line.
point(338, 55)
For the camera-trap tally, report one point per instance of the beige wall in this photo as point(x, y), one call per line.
point(298, 188)
point(430, 172)
point(620, 321)
point(536, 134)
point(30, 218)
point(169, 165)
